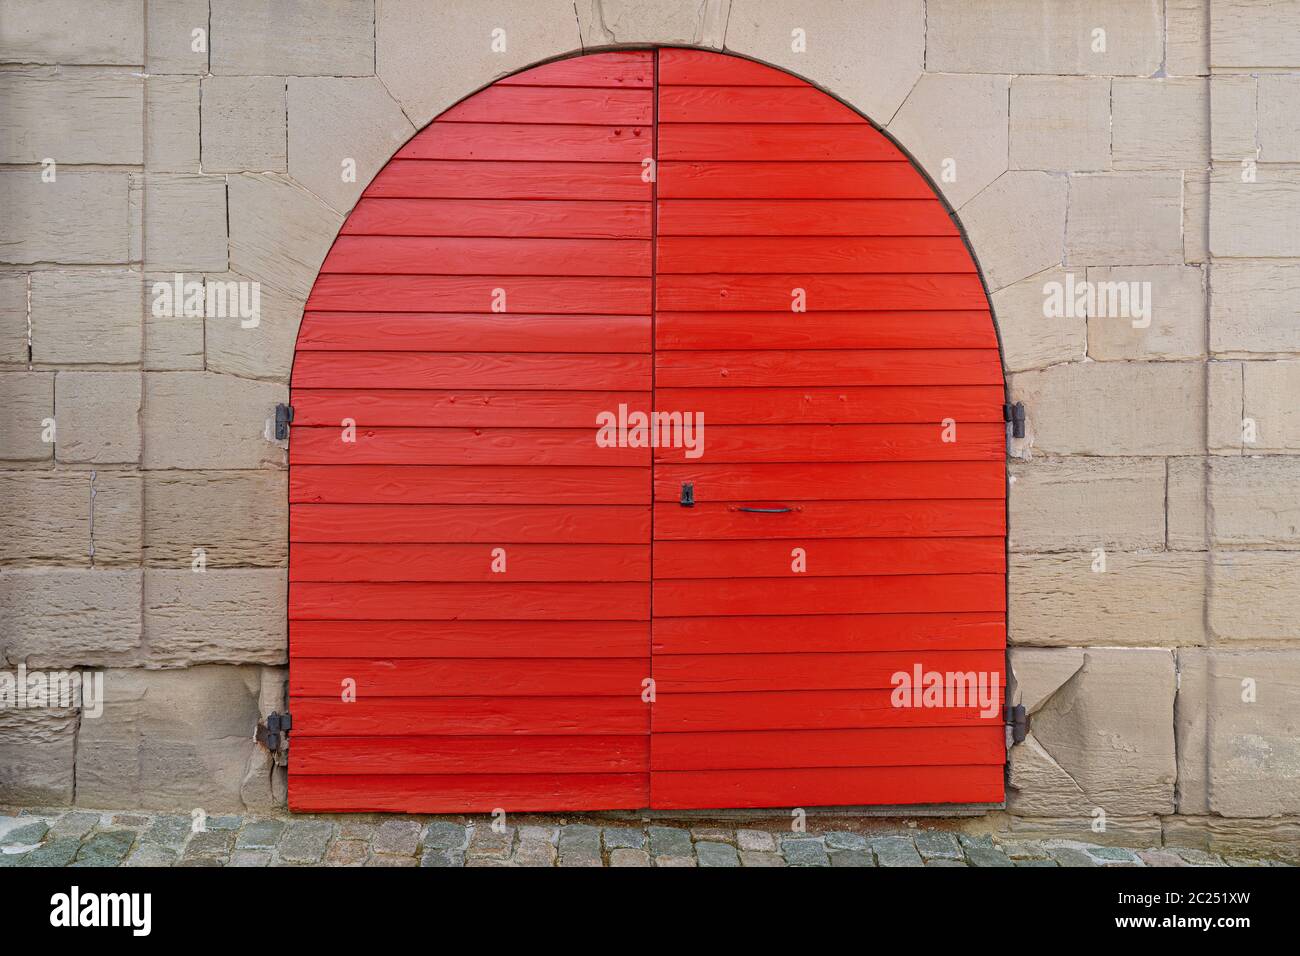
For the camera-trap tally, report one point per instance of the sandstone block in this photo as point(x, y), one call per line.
point(13, 318)
point(1225, 428)
point(1258, 219)
point(172, 115)
point(279, 232)
point(1255, 502)
point(98, 32)
point(1253, 308)
point(1252, 596)
point(1039, 672)
point(37, 753)
point(81, 217)
point(172, 40)
point(1191, 721)
point(1271, 400)
point(293, 37)
point(172, 342)
point(683, 22)
point(185, 223)
point(244, 123)
point(239, 518)
point(1185, 504)
point(201, 420)
point(68, 518)
point(1125, 217)
point(1077, 504)
point(1279, 128)
point(1057, 600)
point(1173, 329)
point(1160, 123)
point(1060, 123)
point(86, 318)
point(1196, 217)
point(26, 405)
point(262, 351)
point(234, 616)
point(56, 617)
point(1187, 37)
point(1234, 118)
point(1029, 338)
point(1114, 408)
point(82, 116)
point(1011, 247)
point(98, 417)
point(1242, 34)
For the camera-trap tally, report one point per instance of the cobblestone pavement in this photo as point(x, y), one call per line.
point(114, 838)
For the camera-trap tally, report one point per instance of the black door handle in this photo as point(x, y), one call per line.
point(766, 511)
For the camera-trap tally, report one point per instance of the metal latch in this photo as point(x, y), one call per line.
point(1015, 414)
point(275, 729)
point(1017, 724)
point(283, 416)
point(688, 494)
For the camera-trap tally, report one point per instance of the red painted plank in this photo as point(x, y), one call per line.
point(976, 441)
point(739, 596)
point(969, 678)
point(962, 518)
point(699, 142)
point(794, 406)
point(477, 370)
point(783, 330)
point(838, 367)
point(468, 484)
point(483, 602)
point(672, 790)
point(575, 524)
point(442, 256)
point(557, 294)
point(798, 217)
point(462, 677)
point(462, 446)
point(476, 639)
point(827, 558)
point(468, 716)
point(434, 407)
point(503, 179)
point(467, 793)
point(747, 104)
point(470, 562)
point(451, 755)
point(591, 219)
point(791, 180)
point(700, 68)
point(624, 68)
point(474, 332)
point(559, 105)
point(815, 254)
point(878, 747)
point(833, 481)
point(802, 710)
point(914, 631)
point(820, 293)
point(521, 141)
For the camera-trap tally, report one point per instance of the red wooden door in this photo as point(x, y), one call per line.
point(476, 571)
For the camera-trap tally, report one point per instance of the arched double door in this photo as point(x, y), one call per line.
point(503, 594)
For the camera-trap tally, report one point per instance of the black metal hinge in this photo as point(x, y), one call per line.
point(688, 494)
point(283, 416)
point(1015, 414)
point(274, 730)
point(1017, 723)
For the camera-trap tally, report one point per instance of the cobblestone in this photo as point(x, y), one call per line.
point(85, 838)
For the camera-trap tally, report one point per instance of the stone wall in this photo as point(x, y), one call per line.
point(1154, 142)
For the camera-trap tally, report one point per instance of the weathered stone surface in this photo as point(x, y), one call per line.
point(716, 854)
point(1037, 784)
point(172, 342)
point(397, 837)
point(107, 32)
point(869, 53)
point(895, 851)
point(1255, 502)
point(264, 350)
point(406, 30)
point(1191, 713)
point(185, 223)
point(1225, 428)
point(1187, 37)
point(304, 841)
point(1271, 399)
point(1114, 408)
point(755, 840)
point(279, 232)
point(37, 753)
point(1038, 672)
point(86, 318)
point(239, 518)
point(1149, 231)
point(958, 124)
point(1253, 308)
point(1060, 123)
point(201, 420)
point(1255, 219)
point(13, 317)
point(1073, 504)
point(1029, 338)
point(669, 841)
point(49, 518)
point(1185, 505)
point(1160, 123)
point(244, 124)
point(1110, 727)
point(1175, 296)
point(963, 37)
point(81, 217)
point(221, 616)
point(1242, 35)
point(684, 22)
point(1276, 837)
point(293, 37)
point(171, 740)
point(1011, 247)
point(1234, 118)
point(64, 617)
point(936, 844)
point(1196, 216)
point(334, 120)
point(1058, 600)
point(1252, 595)
point(1279, 132)
point(629, 857)
point(805, 851)
point(98, 417)
point(171, 39)
point(26, 402)
point(82, 116)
